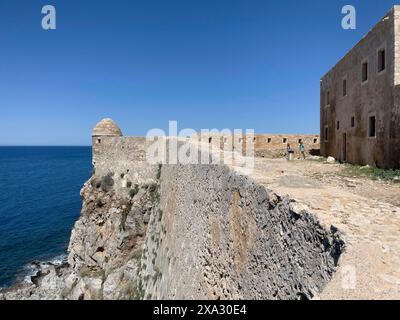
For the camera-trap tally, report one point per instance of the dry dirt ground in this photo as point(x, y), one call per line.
point(365, 210)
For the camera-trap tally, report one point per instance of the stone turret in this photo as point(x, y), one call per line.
point(105, 129)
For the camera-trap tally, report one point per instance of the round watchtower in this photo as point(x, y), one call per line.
point(104, 129)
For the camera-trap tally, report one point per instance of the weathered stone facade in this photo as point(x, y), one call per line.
point(360, 100)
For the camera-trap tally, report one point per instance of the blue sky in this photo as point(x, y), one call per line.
point(205, 63)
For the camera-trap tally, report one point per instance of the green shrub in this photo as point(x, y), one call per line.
point(373, 173)
point(133, 192)
point(159, 171)
point(107, 182)
point(98, 203)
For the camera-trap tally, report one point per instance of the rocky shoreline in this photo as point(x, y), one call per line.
point(46, 283)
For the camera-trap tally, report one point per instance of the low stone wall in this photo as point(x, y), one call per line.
point(263, 145)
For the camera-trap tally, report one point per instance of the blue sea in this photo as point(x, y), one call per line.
point(39, 203)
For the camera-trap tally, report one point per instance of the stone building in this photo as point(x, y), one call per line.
point(360, 100)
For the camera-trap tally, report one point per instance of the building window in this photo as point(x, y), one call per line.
point(365, 72)
point(300, 140)
point(98, 141)
point(328, 98)
point(209, 140)
point(372, 127)
point(326, 133)
point(344, 86)
point(353, 122)
point(269, 140)
point(381, 60)
point(254, 139)
point(315, 140)
point(284, 140)
point(337, 125)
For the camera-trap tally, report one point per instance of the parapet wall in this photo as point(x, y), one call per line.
point(111, 150)
point(125, 155)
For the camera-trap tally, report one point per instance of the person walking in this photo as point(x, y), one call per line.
point(302, 149)
point(290, 152)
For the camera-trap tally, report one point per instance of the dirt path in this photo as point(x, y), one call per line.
point(367, 211)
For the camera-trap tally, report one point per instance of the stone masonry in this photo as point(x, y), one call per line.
point(360, 100)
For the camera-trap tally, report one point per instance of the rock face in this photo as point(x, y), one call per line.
point(183, 232)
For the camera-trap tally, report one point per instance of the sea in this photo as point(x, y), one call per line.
point(39, 204)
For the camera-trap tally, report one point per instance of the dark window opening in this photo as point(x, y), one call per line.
point(269, 140)
point(209, 140)
point(300, 140)
point(98, 140)
point(326, 133)
point(372, 127)
point(344, 87)
point(381, 60)
point(315, 140)
point(328, 98)
point(337, 125)
point(365, 71)
point(353, 122)
point(284, 140)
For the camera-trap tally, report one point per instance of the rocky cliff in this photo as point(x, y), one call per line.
point(186, 232)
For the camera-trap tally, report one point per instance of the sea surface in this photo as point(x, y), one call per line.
point(39, 203)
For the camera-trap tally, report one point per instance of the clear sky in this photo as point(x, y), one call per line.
point(205, 63)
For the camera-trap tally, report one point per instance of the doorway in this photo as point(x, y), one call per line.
point(344, 147)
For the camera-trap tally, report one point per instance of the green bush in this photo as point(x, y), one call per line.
point(98, 203)
point(107, 182)
point(371, 172)
point(133, 192)
point(159, 171)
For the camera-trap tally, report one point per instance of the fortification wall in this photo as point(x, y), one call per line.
point(216, 234)
point(265, 145)
point(122, 155)
point(185, 231)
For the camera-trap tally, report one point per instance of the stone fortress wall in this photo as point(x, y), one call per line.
point(185, 231)
point(263, 145)
point(211, 233)
point(133, 149)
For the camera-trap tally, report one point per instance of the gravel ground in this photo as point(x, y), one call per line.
point(366, 210)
